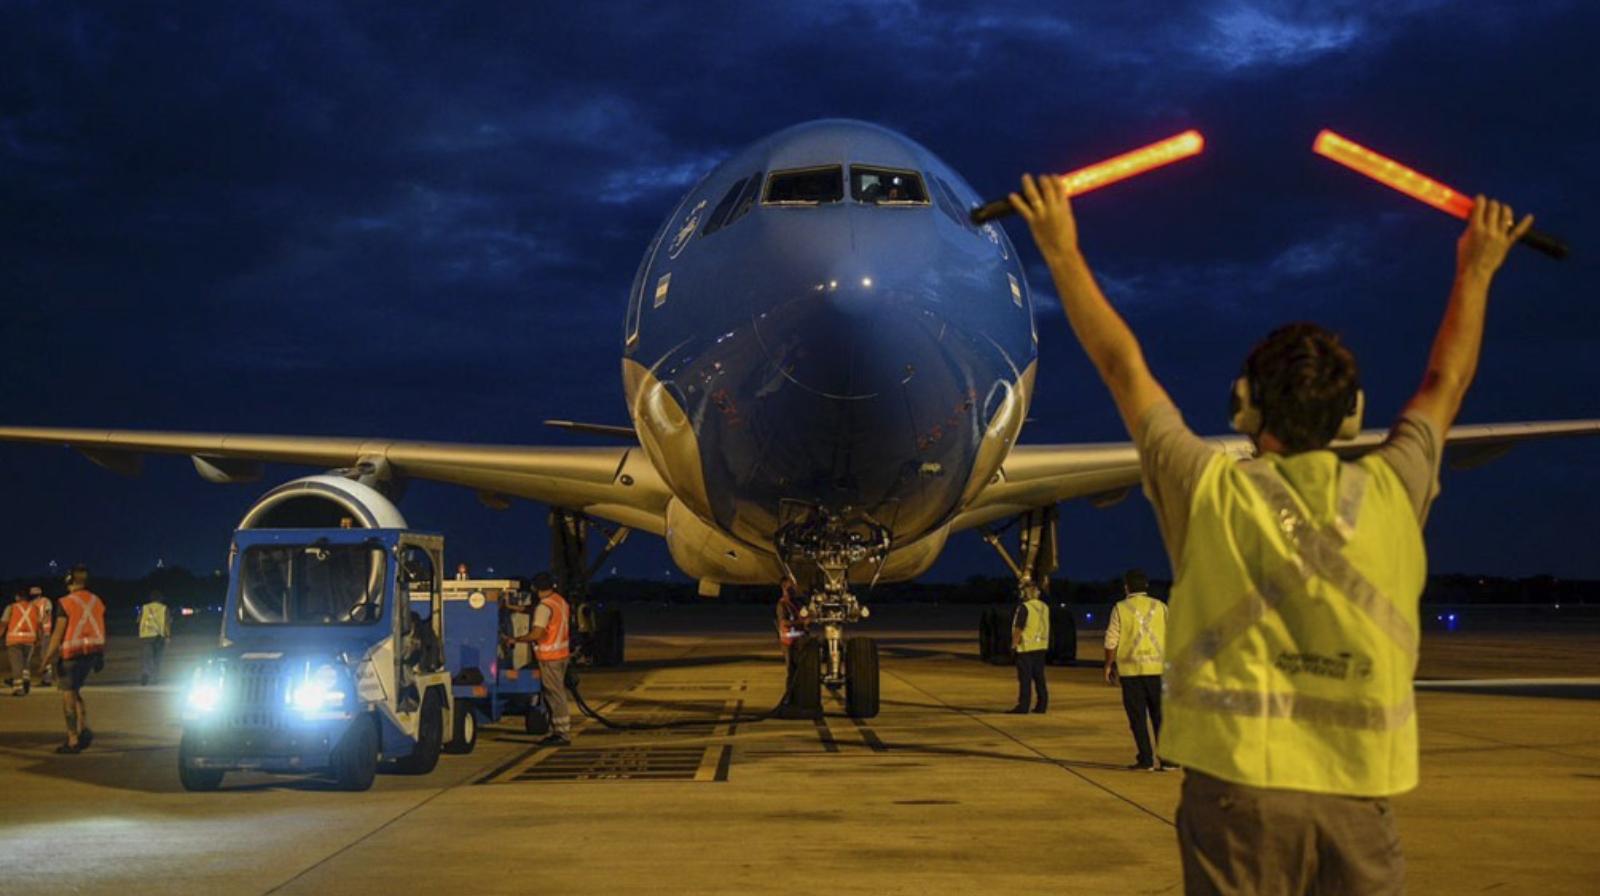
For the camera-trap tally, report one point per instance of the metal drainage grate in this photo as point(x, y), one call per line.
point(629, 764)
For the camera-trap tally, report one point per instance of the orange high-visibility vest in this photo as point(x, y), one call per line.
point(86, 625)
point(20, 628)
point(553, 645)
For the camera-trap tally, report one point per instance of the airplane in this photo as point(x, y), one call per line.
point(827, 365)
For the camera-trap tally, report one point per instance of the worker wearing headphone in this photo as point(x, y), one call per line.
point(1293, 627)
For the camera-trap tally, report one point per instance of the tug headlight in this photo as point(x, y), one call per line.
point(318, 691)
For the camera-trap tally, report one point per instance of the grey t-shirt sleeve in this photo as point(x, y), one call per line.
point(1171, 459)
point(1413, 451)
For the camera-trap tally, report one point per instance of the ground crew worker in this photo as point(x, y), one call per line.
point(79, 640)
point(22, 636)
point(1030, 639)
point(44, 614)
point(155, 630)
point(1293, 632)
point(551, 645)
point(791, 622)
point(1136, 634)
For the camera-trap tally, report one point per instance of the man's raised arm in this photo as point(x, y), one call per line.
point(1105, 336)
point(1481, 250)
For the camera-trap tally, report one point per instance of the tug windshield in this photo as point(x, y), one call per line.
point(318, 584)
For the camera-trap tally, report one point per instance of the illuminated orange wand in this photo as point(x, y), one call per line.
point(1138, 161)
point(1390, 173)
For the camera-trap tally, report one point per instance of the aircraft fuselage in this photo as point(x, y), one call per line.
point(818, 327)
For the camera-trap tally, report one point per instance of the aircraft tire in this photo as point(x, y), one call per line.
point(463, 730)
point(805, 694)
point(985, 636)
point(614, 637)
point(999, 638)
point(195, 779)
point(355, 761)
point(861, 678)
point(1063, 649)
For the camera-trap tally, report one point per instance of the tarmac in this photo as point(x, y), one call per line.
point(941, 792)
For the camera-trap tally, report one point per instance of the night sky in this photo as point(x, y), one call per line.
point(351, 219)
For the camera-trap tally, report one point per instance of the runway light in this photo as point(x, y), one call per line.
point(1418, 186)
point(1122, 167)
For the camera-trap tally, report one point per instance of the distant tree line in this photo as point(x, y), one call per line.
point(183, 588)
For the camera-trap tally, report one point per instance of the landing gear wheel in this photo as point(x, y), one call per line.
point(861, 678)
point(1063, 648)
point(355, 760)
point(999, 629)
point(805, 688)
point(608, 638)
point(430, 738)
point(464, 730)
point(195, 779)
point(986, 637)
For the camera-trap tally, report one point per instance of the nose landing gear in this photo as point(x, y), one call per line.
point(833, 660)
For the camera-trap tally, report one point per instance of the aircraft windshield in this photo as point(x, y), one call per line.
point(808, 186)
point(320, 584)
point(884, 186)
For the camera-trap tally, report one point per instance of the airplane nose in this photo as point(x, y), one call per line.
point(850, 336)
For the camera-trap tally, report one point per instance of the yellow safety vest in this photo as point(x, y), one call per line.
point(1292, 638)
point(1036, 631)
point(1142, 635)
point(153, 621)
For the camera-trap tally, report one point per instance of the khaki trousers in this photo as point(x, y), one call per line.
point(553, 678)
point(1236, 839)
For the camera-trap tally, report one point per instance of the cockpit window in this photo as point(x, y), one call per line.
point(719, 215)
point(805, 186)
point(886, 186)
point(751, 191)
point(949, 204)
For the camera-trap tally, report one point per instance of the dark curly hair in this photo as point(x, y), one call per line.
point(1304, 380)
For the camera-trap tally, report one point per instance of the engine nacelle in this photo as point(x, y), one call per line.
point(323, 502)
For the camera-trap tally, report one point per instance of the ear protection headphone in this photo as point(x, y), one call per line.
point(1244, 410)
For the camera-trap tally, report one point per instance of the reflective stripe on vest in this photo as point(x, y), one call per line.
point(553, 645)
point(86, 624)
point(153, 621)
point(44, 613)
point(1036, 631)
point(19, 625)
point(1292, 634)
point(793, 630)
point(1142, 635)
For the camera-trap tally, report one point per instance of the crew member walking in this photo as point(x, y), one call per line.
point(79, 640)
point(44, 614)
point(22, 637)
point(1030, 638)
point(1293, 634)
point(155, 630)
point(1136, 636)
point(551, 645)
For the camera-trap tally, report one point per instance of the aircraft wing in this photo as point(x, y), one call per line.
point(1040, 475)
point(613, 483)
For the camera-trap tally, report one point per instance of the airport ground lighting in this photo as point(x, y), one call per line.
point(1418, 186)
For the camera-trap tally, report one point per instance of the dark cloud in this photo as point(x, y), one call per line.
point(421, 221)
